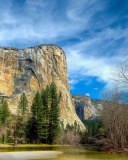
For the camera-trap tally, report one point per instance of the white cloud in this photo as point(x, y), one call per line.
point(96, 56)
point(40, 21)
point(72, 83)
point(83, 65)
point(95, 89)
point(43, 21)
point(87, 94)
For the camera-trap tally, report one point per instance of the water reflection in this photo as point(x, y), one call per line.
point(73, 153)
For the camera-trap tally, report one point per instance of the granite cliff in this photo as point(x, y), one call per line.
point(87, 108)
point(31, 69)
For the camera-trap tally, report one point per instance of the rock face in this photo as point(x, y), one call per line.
point(31, 69)
point(87, 108)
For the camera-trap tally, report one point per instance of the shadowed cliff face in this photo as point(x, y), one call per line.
point(31, 69)
point(87, 108)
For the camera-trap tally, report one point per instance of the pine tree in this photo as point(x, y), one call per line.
point(6, 112)
point(46, 103)
point(43, 126)
point(36, 121)
point(4, 119)
point(22, 118)
point(23, 105)
point(54, 127)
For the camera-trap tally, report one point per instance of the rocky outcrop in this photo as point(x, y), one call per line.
point(31, 69)
point(87, 108)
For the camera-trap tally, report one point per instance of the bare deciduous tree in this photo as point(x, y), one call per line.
point(120, 72)
point(115, 116)
point(70, 138)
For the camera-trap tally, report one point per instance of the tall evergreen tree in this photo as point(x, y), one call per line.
point(43, 126)
point(21, 118)
point(36, 121)
point(54, 127)
point(46, 97)
point(4, 119)
point(23, 105)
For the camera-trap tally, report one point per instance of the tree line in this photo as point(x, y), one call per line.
point(115, 112)
point(37, 124)
point(114, 116)
point(113, 127)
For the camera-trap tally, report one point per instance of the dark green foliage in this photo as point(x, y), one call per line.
point(35, 122)
point(4, 119)
point(54, 127)
point(43, 126)
point(75, 128)
point(40, 126)
point(21, 119)
point(69, 128)
point(23, 105)
point(9, 138)
point(31, 132)
point(94, 126)
point(46, 100)
point(5, 112)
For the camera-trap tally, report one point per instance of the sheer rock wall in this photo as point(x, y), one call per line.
point(31, 69)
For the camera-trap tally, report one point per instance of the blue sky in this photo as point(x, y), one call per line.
point(93, 34)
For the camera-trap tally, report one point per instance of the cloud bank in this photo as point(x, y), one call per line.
point(92, 33)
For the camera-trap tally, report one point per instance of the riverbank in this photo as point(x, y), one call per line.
point(104, 145)
point(112, 150)
point(31, 145)
point(27, 145)
point(95, 146)
point(107, 148)
point(29, 155)
point(62, 152)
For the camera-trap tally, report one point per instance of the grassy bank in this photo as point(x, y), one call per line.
point(29, 145)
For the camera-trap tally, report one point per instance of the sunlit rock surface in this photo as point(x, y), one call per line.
point(31, 69)
point(87, 108)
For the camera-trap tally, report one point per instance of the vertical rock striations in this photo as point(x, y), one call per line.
point(31, 69)
point(87, 108)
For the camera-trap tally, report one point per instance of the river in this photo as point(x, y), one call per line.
point(69, 153)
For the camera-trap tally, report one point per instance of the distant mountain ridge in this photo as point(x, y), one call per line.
point(87, 108)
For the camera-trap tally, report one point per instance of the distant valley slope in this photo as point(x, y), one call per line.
point(87, 108)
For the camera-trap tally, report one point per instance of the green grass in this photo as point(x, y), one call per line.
point(30, 145)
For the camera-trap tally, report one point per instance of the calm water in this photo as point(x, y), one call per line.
point(75, 153)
